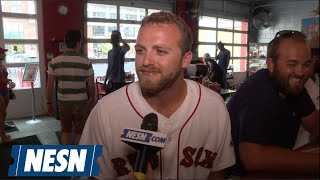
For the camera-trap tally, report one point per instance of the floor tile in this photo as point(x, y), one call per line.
point(45, 130)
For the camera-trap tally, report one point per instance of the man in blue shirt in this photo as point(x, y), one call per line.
point(268, 108)
point(115, 72)
point(223, 61)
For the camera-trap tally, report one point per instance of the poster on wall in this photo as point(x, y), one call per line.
point(30, 72)
point(310, 27)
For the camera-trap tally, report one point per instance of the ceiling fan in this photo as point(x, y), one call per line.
point(261, 18)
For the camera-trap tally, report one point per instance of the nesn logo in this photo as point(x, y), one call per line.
point(55, 160)
point(144, 137)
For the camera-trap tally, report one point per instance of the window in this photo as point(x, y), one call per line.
point(99, 15)
point(206, 21)
point(102, 19)
point(233, 33)
point(101, 11)
point(20, 28)
point(257, 57)
point(16, 10)
point(225, 23)
point(150, 11)
point(207, 35)
point(20, 37)
point(98, 31)
point(129, 31)
point(225, 37)
point(131, 13)
point(13, 30)
point(18, 6)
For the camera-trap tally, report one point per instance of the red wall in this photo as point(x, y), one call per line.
point(183, 9)
point(55, 25)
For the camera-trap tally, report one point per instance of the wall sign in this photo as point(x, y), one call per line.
point(310, 27)
point(30, 72)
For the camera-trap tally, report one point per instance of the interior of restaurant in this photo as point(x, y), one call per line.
point(33, 32)
point(37, 29)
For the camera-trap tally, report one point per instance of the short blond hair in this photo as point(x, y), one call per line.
point(170, 18)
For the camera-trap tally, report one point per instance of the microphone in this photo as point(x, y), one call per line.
point(150, 122)
point(146, 140)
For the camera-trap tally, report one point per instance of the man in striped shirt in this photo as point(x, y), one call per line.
point(75, 87)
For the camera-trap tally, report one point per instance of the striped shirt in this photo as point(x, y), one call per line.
point(71, 70)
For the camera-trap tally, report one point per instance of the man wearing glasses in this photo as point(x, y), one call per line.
point(267, 110)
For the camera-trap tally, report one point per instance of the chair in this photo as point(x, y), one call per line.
point(99, 86)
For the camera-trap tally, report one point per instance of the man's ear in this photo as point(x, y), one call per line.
point(187, 57)
point(270, 64)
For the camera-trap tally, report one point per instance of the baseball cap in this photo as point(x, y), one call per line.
point(3, 50)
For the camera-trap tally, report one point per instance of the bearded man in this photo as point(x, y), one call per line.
point(267, 110)
point(194, 117)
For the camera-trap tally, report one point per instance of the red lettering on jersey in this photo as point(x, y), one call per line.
point(199, 153)
point(208, 161)
point(119, 165)
point(188, 152)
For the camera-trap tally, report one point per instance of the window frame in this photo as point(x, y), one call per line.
point(233, 30)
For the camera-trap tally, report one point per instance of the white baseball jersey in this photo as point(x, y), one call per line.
point(198, 133)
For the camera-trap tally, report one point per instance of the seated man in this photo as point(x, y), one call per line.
point(267, 109)
point(215, 72)
point(312, 87)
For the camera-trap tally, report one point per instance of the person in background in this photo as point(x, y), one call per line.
point(76, 88)
point(115, 73)
point(215, 71)
point(312, 87)
point(4, 96)
point(223, 58)
point(198, 138)
point(267, 110)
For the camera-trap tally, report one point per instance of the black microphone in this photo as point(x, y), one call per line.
point(150, 122)
point(147, 141)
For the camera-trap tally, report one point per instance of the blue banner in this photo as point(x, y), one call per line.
point(55, 160)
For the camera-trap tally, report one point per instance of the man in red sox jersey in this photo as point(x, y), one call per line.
point(194, 117)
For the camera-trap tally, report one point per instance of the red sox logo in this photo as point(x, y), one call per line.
point(192, 157)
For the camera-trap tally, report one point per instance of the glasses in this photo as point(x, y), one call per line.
point(289, 33)
point(273, 45)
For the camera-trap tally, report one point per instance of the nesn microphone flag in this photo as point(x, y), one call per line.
point(55, 160)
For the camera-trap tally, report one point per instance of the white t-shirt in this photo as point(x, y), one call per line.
point(304, 137)
point(198, 133)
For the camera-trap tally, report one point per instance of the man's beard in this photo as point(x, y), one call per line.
point(151, 88)
point(284, 84)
